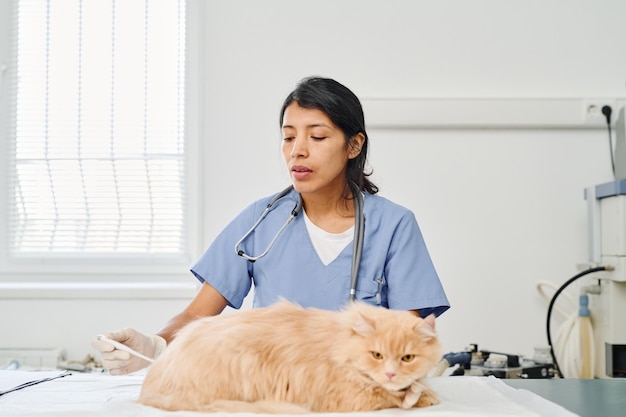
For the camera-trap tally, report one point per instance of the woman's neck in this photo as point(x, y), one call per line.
point(332, 213)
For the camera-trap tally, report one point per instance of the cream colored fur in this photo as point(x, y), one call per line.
point(287, 359)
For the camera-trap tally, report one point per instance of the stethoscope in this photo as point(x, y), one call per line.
point(359, 223)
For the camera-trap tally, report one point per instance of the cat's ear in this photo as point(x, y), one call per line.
point(427, 327)
point(363, 325)
point(430, 320)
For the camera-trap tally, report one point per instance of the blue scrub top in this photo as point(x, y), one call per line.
point(395, 272)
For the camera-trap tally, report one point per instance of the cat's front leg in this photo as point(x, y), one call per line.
point(419, 394)
point(412, 395)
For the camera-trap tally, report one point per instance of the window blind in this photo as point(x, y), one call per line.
point(97, 136)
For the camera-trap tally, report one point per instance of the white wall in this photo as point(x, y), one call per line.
point(500, 208)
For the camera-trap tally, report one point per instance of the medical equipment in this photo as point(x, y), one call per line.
point(606, 205)
point(475, 362)
point(607, 220)
point(359, 224)
point(123, 347)
point(30, 383)
point(572, 347)
point(296, 210)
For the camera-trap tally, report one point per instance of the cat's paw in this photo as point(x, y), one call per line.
point(419, 394)
point(412, 395)
point(427, 398)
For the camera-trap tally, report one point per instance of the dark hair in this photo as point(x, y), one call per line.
point(344, 109)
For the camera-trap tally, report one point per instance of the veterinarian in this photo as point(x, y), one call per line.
point(303, 248)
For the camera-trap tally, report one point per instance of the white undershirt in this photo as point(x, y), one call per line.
point(327, 245)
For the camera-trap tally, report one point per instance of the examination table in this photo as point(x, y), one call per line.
point(585, 397)
point(103, 395)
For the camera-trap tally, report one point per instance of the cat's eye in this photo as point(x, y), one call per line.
point(377, 355)
point(408, 358)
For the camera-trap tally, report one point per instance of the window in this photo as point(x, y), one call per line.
point(96, 122)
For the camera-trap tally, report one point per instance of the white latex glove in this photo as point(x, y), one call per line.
point(120, 362)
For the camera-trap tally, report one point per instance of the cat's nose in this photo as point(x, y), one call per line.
point(390, 374)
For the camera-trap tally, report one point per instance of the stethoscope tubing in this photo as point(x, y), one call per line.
point(357, 247)
point(296, 210)
point(359, 226)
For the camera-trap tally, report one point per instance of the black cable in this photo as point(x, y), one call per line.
point(606, 111)
point(553, 300)
point(35, 382)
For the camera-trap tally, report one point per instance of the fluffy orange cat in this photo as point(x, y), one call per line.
point(288, 359)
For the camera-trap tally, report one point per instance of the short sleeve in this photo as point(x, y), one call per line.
point(413, 282)
point(221, 267)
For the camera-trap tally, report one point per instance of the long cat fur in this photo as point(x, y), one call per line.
point(288, 359)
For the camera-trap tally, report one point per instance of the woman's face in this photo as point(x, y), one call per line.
point(315, 150)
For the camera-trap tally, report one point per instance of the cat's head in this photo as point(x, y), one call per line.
point(393, 348)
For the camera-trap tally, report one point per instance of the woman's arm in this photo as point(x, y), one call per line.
point(207, 302)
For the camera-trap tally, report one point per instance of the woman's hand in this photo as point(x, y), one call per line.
point(119, 362)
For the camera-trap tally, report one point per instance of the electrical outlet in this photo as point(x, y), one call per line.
point(592, 111)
